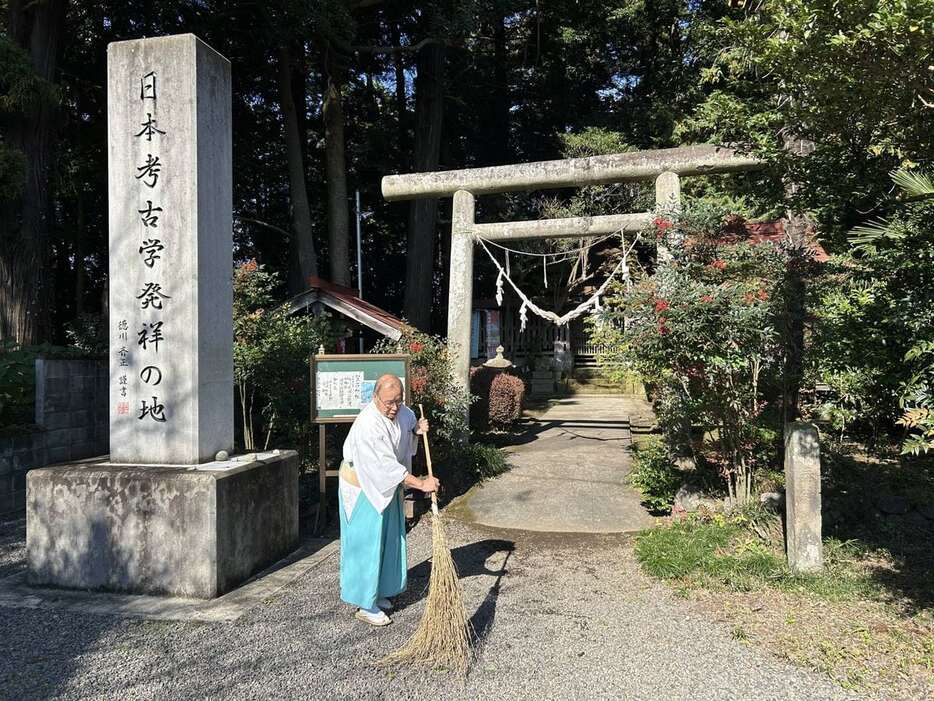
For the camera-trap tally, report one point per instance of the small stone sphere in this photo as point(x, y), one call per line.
point(222, 455)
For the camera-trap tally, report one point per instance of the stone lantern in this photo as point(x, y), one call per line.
point(499, 362)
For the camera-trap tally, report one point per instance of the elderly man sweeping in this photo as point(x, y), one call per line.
point(377, 459)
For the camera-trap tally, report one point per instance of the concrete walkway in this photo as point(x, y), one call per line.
point(568, 473)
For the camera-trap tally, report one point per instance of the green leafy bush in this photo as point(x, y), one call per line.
point(88, 333)
point(17, 385)
point(655, 475)
point(484, 461)
point(270, 352)
point(445, 404)
point(872, 331)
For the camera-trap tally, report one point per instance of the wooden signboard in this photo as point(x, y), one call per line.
point(341, 386)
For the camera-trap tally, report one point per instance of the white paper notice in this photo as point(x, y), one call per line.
point(339, 390)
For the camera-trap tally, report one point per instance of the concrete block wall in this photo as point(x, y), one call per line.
point(71, 413)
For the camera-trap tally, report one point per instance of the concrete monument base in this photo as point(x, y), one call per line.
point(193, 531)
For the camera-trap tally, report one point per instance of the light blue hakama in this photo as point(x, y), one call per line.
point(373, 551)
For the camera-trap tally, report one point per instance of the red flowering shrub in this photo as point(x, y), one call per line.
point(706, 331)
point(432, 384)
point(499, 398)
point(419, 380)
point(661, 226)
point(506, 394)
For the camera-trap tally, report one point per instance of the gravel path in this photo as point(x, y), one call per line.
point(559, 617)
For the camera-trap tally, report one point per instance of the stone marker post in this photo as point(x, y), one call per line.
point(171, 361)
point(802, 498)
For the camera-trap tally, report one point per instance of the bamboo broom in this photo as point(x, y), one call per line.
point(443, 636)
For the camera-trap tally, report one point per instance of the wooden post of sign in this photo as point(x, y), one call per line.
point(322, 518)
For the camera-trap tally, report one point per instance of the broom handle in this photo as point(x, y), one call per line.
point(434, 495)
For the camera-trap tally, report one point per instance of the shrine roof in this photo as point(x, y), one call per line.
point(346, 301)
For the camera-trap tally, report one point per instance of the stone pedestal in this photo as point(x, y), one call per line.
point(802, 498)
point(183, 531)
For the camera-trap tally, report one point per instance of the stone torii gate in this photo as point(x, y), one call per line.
point(666, 166)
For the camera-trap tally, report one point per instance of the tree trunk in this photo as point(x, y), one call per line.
point(302, 244)
point(336, 173)
point(493, 126)
point(80, 273)
point(25, 228)
point(402, 119)
point(429, 113)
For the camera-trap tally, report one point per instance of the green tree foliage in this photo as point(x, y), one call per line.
point(880, 296)
point(847, 77)
point(271, 351)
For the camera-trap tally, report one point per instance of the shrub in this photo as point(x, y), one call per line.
point(431, 369)
point(499, 398)
point(88, 333)
point(873, 332)
point(708, 330)
point(654, 475)
point(505, 403)
point(484, 460)
point(270, 354)
point(17, 385)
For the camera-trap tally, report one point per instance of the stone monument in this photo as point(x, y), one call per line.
point(802, 498)
point(162, 515)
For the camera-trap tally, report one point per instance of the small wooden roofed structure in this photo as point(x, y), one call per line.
point(344, 300)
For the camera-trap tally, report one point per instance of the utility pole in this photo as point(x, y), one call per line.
point(359, 260)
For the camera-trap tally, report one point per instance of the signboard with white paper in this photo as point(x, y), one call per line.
point(342, 385)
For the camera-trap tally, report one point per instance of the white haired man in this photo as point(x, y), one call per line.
point(377, 462)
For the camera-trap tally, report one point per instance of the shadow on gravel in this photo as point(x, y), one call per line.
point(470, 561)
point(45, 651)
point(12, 547)
point(482, 620)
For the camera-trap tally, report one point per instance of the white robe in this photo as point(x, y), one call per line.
point(381, 451)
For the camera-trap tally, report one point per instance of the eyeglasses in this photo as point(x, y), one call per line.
point(395, 403)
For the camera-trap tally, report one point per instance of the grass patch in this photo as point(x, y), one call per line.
point(855, 622)
point(722, 552)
